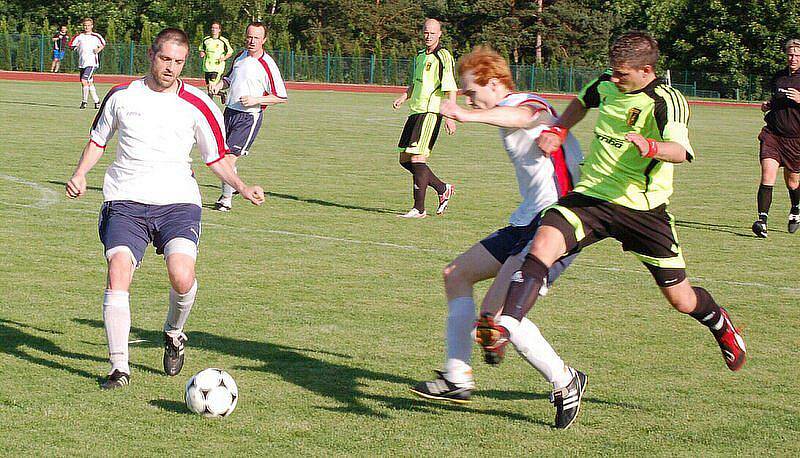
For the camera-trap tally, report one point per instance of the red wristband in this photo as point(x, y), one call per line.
point(561, 131)
point(652, 147)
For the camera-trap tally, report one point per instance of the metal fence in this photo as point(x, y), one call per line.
point(34, 53)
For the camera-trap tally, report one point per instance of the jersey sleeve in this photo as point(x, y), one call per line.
point(671, 112)
point(105, 122)
point(448, 71)
point(590, 94)
point(226, 45)
point(101, 39)
point(202, 47)
point(209, 133)
point(73, 43)
point(275, 82)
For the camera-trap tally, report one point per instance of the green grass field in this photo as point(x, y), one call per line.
point(325, 307)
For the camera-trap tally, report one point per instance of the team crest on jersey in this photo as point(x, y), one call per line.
point(633, 116)
point(428, 67)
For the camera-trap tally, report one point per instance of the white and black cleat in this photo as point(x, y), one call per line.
point(116, 379)
point(794, 223)
point(567, 400)
point(760, 229)
point(174, 353)
point(444, 390)
point(223, 204)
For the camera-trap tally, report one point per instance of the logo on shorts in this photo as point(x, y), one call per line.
point(633, 116)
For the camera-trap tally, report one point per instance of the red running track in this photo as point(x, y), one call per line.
point(294, 85)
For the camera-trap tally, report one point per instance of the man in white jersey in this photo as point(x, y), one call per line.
point(487, 84)
point(150, 192)
point(88, 46)
point(254, 83)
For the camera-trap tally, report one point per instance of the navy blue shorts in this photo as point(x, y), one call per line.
point(242, 128)
point(510, 240)
point(136, 225)
point(87, 73)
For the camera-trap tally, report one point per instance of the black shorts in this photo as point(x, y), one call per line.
point(510, 240)
point(784, 150)
point(420, 133)
point(211, 76)
point(648, 234)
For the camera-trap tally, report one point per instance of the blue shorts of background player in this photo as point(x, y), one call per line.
point(242, 128)
point(133, 225)
point(58, 54)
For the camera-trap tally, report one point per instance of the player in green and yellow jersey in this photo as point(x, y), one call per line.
point(626, 180)
point(434, 79)
point(215, 50)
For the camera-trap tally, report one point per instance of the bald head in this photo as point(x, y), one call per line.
point(431, 32)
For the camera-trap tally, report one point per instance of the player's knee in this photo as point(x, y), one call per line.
point(452, 275)
point(182, 282)
point(121, 264)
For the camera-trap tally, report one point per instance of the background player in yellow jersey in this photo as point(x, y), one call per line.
point(433, 80)
point(215, 50)
point(626, 180)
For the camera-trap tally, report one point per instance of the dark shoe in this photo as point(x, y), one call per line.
point(760, 229)
point(731, 343)
point(567, 400)
point(173, 353)
point(97, 105)
point(444, 199)
point(444, 390)
point(794, 223)
point(83, 106)
point(116, 379)
point(492, 337)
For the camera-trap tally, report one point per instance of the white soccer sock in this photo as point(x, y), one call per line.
point(117, 320)
point(532, 346)
point(179, 307)
point(227, 190)
point(85, 93)
point(93, 91)
point(460, 323)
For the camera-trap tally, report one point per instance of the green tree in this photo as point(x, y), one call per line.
point(377, 52)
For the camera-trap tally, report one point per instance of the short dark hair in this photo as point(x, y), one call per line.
point(258, 24)
point(170, 34)
point(216, 22)
point(791, 43)
point(634, 49)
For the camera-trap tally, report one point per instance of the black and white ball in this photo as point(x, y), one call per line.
point(211, 393)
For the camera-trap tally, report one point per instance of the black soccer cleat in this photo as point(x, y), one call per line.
point(444, 390)
point(116, 379)
point(794, 222)
point(760, 229)
point(97, 105)
point(83, 106)
point(174, 354)
point(567, 400)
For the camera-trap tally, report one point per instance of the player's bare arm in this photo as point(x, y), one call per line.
point(76, 186)
point(403, 97)
point(549, 141)
point(525, 116)
point(225, 172)
point(252, 101)
point(449, 124)
point(663, 151)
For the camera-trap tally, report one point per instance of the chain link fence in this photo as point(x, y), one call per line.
point(34, 53)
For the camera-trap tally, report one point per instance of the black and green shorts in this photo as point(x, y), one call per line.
point(420, 133)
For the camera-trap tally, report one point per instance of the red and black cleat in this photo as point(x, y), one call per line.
point(492, 337)
point(731, 343)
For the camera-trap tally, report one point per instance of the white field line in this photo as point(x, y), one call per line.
point(49, 198)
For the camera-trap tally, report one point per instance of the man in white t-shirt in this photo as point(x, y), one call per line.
point(254, 83)
point(150, 192)
point(522, 117)
point(88, 46)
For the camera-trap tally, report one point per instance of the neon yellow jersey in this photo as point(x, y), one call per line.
point(434, 74)
point(215, 49)
point(614, 170)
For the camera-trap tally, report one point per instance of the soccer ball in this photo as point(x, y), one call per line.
point(211, 393)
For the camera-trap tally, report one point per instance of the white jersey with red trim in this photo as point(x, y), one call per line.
point(86, 44)
point(541, 180)
point(156, 133)
point(253, 76)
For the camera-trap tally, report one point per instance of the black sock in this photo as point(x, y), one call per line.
point(435, 182)
point(407, 166)
point(522, 294)
point(764, 201)
point(707, 311)
point(794, 197)
point(420, 171)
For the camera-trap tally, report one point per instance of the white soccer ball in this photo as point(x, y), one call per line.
point(211, 393)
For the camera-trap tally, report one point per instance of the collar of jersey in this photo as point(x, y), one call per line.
point(650, 85)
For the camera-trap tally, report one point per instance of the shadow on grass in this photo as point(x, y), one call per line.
point(343, 383)
point(63, 183)
point(170, 406)
point(715, 228)
point(324, 203)
point(38, 104)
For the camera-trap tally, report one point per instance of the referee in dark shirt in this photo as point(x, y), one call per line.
point(780, 140)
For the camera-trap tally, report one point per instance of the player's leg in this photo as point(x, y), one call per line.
point(421, 174)
point(92, 89)
point(84, 86)
point(414, 149)
point(54, 63)
point(770, 158)
point(455, 382)
point(210, 77)
point(125, 238)
point(430, 133)
point(177, 235)
point(791, 176)
point(241, 128)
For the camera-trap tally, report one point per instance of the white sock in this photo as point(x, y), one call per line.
point(227, 190)
point(179, 307)
point(117, 320)
point(93, 91)
point(532, 346)
point(460, 323)
point(85, 93)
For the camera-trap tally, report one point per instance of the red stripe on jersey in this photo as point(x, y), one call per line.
point(97, 144)
point(269, 75)
point(531, 101)
point(563, 179)
point(97, 35)
point(111, 92)
point(212, 121)
point(72, 41)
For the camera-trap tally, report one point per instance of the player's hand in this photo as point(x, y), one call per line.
point(549, 143)
point(399, 101)
point(449, 126)
point(254, 194)
point(793, 95)
point(76, 186)
point(202, 55)
point(249, 101)
point(765, 107)
point(641, 143)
